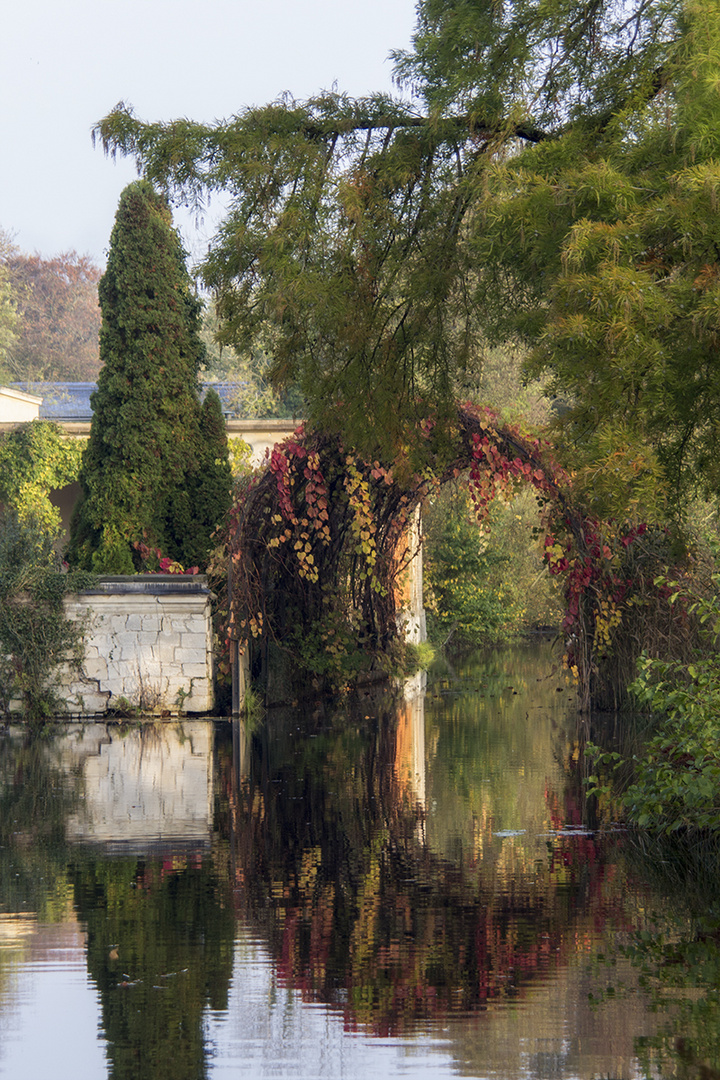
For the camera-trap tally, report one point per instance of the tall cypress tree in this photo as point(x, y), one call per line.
point(145, 439)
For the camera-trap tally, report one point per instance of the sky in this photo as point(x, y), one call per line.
point(63, 66)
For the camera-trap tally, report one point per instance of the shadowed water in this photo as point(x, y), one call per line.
point(375, 888)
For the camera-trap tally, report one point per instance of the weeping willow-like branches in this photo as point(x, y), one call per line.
point(370, 246)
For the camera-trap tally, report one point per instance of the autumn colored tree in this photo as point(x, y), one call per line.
point(58, 317)
point(8, 309)
point(146, 444)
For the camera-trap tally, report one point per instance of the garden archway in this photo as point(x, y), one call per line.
point(319, 551)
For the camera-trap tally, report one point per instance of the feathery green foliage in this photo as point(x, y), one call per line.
point(557, 184)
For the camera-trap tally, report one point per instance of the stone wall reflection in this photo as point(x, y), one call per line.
point(140, 786)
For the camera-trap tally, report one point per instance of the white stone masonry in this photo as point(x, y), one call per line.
point(147, 645)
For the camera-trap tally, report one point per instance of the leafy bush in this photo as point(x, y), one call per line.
point(485, 585)
point(676, 777)
point(35, 633)
point(34, 460)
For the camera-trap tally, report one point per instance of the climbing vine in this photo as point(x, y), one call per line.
point(36, 634)
point(318, 550)
point(314, 540)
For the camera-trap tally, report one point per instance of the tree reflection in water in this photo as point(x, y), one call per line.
point(330, 856)
point(678, 955)
point(159, 948)
point(415, 873)
point(158, 921)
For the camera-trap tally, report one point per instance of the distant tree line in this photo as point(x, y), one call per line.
point(49, 316)
point(50, 332)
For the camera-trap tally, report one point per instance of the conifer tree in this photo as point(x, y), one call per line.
point(145, 442)
point(194, 510)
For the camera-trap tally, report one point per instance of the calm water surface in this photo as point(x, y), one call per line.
point(387, 889)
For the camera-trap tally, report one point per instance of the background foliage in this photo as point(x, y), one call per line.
point(485, 585)
point(58, 318)
point(8, 307)
point(254, 394)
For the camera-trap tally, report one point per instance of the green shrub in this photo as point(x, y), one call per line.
point(35, 460)
point(484, 586)
point(35, 633)
point(676, 776)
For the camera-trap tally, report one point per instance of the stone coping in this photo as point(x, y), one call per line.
point(148, 585)
point(280, 428)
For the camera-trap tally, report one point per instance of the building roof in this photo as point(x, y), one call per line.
point(14, 391)
point(17, 406)
point(70, 401)
point(61, 400)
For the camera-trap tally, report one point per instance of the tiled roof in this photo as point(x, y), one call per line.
point(62, 400)
point(70, 401)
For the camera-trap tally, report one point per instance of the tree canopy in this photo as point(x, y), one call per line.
point(8, 308)
point(552, 179)
point(58, 317)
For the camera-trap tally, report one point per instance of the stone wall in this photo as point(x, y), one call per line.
point(147, 644)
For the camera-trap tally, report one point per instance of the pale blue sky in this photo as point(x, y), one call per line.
point(64, 65)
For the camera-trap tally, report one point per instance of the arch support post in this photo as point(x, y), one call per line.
point(411, 618)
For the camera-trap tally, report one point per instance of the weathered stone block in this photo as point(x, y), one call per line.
point(195, 671)
point(95, 668)
point(196, 642)
point(164, 651)
point(189, 656)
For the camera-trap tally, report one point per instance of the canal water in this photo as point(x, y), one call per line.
point(372, 888)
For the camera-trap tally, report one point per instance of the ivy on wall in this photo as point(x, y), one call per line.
point(35, 634)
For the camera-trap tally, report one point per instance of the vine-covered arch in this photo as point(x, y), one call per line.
point(318, 552)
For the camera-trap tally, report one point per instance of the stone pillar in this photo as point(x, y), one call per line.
point(412, 610)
